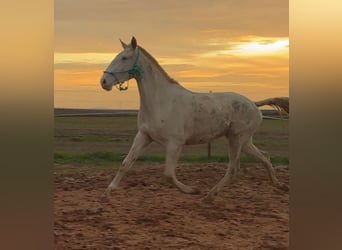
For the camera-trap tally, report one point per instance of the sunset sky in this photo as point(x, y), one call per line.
point(219, 45)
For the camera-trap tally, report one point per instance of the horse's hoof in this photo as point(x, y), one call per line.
point(195, 190)
point(283, 187)
point(105, 197)
point(208, 200)
point(190, 190)
point(168, 179)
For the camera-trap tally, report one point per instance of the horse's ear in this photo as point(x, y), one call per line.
point(134, 42)
point(124, 45)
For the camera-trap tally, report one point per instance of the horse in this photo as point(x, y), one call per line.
point(174, 116)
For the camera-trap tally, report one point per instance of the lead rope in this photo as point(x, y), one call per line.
point(120, 88)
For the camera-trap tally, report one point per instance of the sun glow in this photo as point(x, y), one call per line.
point(249, 46)
point(259, 47)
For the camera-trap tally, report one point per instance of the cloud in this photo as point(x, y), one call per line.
point(247, 46)
point(92, 26)
point(91, 58)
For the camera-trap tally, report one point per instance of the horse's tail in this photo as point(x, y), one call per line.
point(281, 104)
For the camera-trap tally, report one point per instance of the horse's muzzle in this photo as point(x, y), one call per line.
point(106, 85)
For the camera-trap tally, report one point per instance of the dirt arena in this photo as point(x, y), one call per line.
point(149, 213)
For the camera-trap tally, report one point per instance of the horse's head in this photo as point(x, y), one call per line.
point(123, 67)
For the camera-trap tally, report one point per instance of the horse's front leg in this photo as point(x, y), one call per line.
point(173, 151)
point(141, 141)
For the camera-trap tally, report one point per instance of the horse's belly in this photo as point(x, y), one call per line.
point(206, 123)
point(200, 140)
point(206, 134)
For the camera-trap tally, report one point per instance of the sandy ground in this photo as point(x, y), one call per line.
point(149, 213)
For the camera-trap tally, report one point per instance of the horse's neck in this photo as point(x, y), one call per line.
point(154, 86)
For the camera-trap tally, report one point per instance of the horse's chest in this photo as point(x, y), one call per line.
point(156, 130)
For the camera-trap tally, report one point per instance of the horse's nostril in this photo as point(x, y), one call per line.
point(104, 81)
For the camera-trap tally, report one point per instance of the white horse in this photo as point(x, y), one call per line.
point(174, 116)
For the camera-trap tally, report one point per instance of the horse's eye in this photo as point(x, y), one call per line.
point(124, 58)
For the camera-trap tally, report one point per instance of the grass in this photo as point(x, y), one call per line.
point(94, 138)
point(106, 140)
point(112, 158)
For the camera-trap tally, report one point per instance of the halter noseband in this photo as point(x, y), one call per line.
point(134, 72)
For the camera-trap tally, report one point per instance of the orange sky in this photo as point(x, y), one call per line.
point(206, 46)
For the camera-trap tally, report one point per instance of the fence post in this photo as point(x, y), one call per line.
point(209, 143)
point(209, 150)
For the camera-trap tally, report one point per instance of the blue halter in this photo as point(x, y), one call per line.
point(134, 72)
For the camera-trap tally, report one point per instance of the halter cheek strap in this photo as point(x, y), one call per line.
point(134, 72)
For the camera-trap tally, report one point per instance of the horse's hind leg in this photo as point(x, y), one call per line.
point(141, 141)
point(172, 154)
point(250, 149)
point(235, 145)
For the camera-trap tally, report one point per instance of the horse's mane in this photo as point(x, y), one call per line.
point(154, 61)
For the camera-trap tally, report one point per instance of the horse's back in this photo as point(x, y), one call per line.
point(230, 105)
